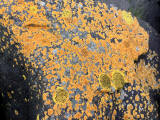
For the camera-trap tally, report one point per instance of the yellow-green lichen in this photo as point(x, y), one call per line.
point(105, 81)
point(67, 13)
point(118, 80)
point(127, 17)
point(60, 96)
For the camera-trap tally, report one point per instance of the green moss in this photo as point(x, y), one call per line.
point(138, 12)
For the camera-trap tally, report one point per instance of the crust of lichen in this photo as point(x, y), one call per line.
point(77, 55)
point(105, 81)
point(60, 96)
point(127, 17)
point(118, 79)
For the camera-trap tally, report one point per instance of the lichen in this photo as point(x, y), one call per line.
point(61, 95)
point(127, 17)
point(118, 80)
point(105, 81)
point(52, 41)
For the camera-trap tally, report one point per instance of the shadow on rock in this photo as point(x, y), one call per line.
point(18, 99)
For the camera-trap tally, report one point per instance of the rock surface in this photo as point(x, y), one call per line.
point(44, 46)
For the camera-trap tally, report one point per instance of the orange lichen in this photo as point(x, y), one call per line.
point(50, 112)
point(137, 98)
point(16, 112)
point(45, 96)
point(81, 42)
point(78, 115)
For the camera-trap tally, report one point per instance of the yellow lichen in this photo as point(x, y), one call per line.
point(78, 60)
point(127, 17)
point(60, 96)
point(118, 80)
point(105, 81)
point(67, 13)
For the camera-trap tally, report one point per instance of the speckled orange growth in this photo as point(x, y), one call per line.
point(75, 62)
